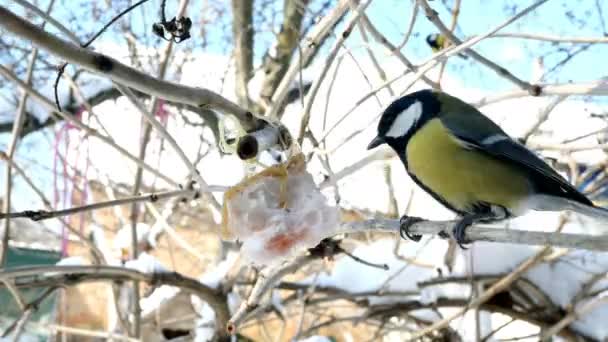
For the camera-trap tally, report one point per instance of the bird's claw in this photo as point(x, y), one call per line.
point(459, 233)
point(404, 227)
point(442, 234)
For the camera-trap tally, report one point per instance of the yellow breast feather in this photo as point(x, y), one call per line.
point(460, 176)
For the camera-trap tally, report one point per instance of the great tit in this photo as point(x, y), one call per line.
point(438, 42)
point(470, 165)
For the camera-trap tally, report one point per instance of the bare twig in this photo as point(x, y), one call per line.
point(572, 316)
point(434, 18)
point(18, 325)
point(380, 154)
point(149, 116)
point(313, 39)
point(328, 62)
point(595, 88)
point(51, 107)
point(121, 73)
point(265, 282)
point(426, 66)
point(552, 38)
point(455, 13)
point(478, 233)
point(39, 215)
point(543, 116)
point(44, 276)
point(12, 146)
point(486, 295)
point(109, 336)
point(162, 220)
point(15, 293)
point(278, 58)
point(380, 38)
point(48, 18)
point(410, 27)
point(242, 34)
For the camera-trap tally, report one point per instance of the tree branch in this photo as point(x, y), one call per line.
point(434, 18)
point(552, 38)
point(32, 124)
point(72, 275)
point(478, 233)
point(109, 67)
point(39, 215)
point(594, 88)
point(242, 34)
point(313, 41)
point(278, 58)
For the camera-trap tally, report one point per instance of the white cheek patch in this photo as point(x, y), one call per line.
point(405, 120)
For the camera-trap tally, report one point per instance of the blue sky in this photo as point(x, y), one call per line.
point(479, 16)
point(556, 17)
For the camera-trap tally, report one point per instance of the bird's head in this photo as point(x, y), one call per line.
point(433, 39)
point(404, 116)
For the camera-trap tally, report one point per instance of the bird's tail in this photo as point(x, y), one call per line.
point(555, 203)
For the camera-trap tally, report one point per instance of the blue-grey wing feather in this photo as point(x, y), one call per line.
point(491, 139)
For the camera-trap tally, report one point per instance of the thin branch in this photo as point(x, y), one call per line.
point(108, 336)
point(480, 233)
point(434, 18)
point(380, 154)
point(424, 67)
point(146, 130)
point(48, 18)
point(594, 88)
point(12, 146)
point(328, 62)
point(455, 13)
point(44, 276)
point(98, 256)
point(39, 215)
point(543, 116)
point(242, 34)
point(552, 38)
point(497, 287)
point(18, 325)
point(312, 41)
point(396, 51)
point(575, 314)
point(162, 220)
point(410, 27)
point(93, 132)
point(121, 73)
point(15, 293)
point(151, 119)
point(265, 282)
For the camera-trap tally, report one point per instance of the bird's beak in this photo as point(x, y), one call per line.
point(376, 142)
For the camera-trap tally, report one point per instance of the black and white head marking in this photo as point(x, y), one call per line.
point(403, 116)
point(405, 120)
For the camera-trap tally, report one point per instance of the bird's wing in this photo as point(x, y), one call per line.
point(491, 139)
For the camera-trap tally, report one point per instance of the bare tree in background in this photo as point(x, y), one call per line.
point(152, 241)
